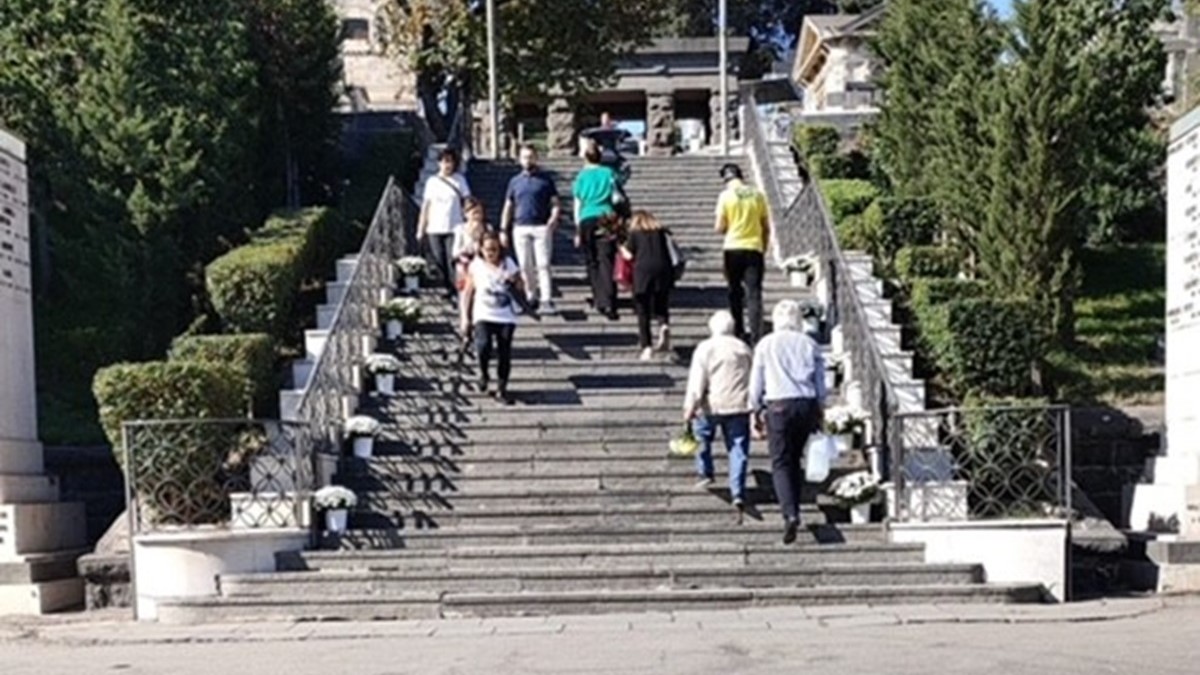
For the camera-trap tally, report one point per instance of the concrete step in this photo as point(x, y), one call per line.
point(605, 555)
point(434, 605)
point(498, 579)
point(727, 531)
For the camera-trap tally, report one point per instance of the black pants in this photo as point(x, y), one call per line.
point(502, 334)
point(441, 250)
point(654, 304)
point(600, 251)
point(744, 273)
point(789, 424)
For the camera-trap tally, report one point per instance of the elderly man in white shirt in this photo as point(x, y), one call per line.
point(787, 392)
point(718, 398)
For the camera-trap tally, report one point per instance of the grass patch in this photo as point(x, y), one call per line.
point(1119, 317)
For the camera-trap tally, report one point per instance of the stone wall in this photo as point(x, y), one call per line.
point(660, 123)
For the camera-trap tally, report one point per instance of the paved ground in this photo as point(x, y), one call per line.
point(1117, 636)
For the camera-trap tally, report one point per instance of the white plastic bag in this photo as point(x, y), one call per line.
point(819, 454)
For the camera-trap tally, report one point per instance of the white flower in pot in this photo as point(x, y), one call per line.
point(802, 270)
point(400, 315)
point(336, 501)
point(856, 492)
point(412, 267)
point(843, 423)
point(384, 367)
point(362, 431)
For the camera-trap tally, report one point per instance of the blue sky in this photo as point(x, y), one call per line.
point(1002, 6)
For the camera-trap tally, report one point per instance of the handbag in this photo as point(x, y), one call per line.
point(678, 260)
point(623, 272)
point(685, 444)
point(819, 453)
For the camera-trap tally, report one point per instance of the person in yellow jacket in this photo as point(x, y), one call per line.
point(743, 218)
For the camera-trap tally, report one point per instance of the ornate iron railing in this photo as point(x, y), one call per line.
point(334, 384)
point(195, 473)
point(804, 225)
point(981, 463)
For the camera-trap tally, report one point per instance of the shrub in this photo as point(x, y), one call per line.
point(847, 197)
point(1009, 453)
point(817, 140)
point(252, 355)
point(927, 293)
point(852, 234)
point(896, 222)
point(983, 346)
point(937, 262)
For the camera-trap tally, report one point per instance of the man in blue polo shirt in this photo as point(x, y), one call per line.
point(531, 210)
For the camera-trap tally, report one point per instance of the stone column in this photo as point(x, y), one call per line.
point(560, 126)
point(715, 121)
point(660, 123)
point(31, 520)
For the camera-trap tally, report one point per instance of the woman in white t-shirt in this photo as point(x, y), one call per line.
point(441, 213)
point(488, 308)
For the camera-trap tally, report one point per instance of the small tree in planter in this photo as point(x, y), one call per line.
point(856, 492)
point(384, 367)
point(801, 270)
point(812, 314)
point(362, 430)
point(336, 501)
point(400, 315)
point(412, 268)
point(844, 423)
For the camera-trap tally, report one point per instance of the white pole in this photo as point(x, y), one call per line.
point(492, 109)
point(722, 20)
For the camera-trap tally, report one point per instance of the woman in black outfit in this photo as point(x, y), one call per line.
point(653, 278)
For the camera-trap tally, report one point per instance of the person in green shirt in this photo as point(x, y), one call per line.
point(594, 190)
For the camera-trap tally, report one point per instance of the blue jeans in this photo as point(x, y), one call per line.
point(736, 430)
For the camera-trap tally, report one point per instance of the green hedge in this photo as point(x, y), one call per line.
point(937, 262)
point(848, 197)
point(983, 346)
point(852, 234)
point(1009, 453)
point(254, 287)
point(896, 222)
point(252, 355)
point(926, 293)
point(817, 140)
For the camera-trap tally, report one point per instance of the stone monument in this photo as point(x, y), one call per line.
point(40, 538)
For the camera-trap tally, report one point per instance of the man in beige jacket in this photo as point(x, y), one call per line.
point(718, 397)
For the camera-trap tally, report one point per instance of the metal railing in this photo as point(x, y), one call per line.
point(981, 463)
point(236, 474)
point(333, 386)
point(804, 225)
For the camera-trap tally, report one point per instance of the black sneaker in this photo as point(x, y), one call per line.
point(789, 531)
point(504, 398)
point(482, 385)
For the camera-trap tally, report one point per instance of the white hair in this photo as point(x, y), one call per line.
point(786, 315)
point(721, 323)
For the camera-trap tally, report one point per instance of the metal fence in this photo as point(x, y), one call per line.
point(194, 473)
point(804, 225)
point(333, 387)
point(981, 463)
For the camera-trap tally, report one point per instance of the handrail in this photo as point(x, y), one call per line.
point(806, 226)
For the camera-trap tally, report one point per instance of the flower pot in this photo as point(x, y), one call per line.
point(860, 514)
point(385, 383)
point(335, 520)
point(844, 442)
point(412, 283)
point(801, 279)
point(395, 328)
point(364, 446)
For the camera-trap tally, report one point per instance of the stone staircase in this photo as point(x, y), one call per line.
point(566, 502)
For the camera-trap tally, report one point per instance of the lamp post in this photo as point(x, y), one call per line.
point(722, 21)
point(493, 113)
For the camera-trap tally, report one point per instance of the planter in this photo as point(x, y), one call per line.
point(394, 328)
point(831, 377)
point(364, 446)
point(412, 283)
point(801, 279)
point(860, 514)
point(845, 442)
point(335, 520)
point(385, 383)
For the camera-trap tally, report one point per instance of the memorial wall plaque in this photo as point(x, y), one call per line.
point(1183, 286)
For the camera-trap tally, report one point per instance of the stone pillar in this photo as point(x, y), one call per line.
point(560, 127)
point(31, 520)
point(660, 123)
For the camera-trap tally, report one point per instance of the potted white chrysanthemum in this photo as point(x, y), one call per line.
point(856, 492)
point(400, 315)
point(412, 267)
point(843, 423)
point(801, 270)
point(361, 430)
point(384, 368)
point(336, 501)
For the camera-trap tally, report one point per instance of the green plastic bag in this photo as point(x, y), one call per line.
point(685, 444)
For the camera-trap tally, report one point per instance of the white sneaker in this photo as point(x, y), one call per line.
point(647, 354)
point(664, 339)
point(549, 309)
